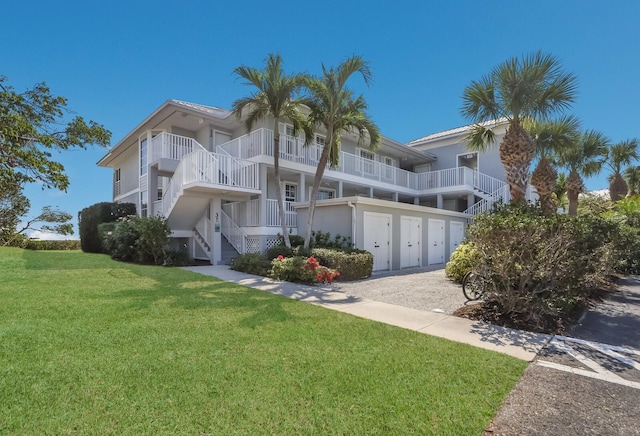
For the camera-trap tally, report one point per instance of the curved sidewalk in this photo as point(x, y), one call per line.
point(520, 344)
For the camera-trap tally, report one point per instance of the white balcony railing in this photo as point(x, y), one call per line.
point(273, 218)
point(247, 213)
point(212, 169)
point(170, 146)
point(260, 142)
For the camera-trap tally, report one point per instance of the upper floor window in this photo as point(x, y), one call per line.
point(143, 157)
point(325, 194)
point(320, 142)
point(116, 182)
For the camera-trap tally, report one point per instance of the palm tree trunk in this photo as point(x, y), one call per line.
point(316, 185)
point(276, 170)
point(516, 152)
point(574, 186)
point(543, 179)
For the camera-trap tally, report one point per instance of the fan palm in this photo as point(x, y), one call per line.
point(632, 176)
point(338, 111)
point(275, 96)
point(533, 86)
point(584, 157)
point(549, 137)
point(621, 155)
point(560, 190)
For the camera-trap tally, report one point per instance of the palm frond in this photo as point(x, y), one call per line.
point(480, 138)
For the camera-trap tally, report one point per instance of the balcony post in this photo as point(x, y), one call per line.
point(262, 218)
point(439, 203)
point(471, 200)
point(215, 206)
point(340, 189)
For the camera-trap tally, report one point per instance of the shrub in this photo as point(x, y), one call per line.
point(121, 244)
point(301, 269)
point(72, 244)
point(252, 263)
point(353, 264)
point(91, 217)
point(462, 261)
point(541, 270)
point(135, 239)
point(320, 239)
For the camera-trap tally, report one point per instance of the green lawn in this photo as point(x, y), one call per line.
point(89, 345)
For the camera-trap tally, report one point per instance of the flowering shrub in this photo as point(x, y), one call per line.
point(302, 270)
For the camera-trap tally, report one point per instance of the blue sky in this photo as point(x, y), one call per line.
point(117, 61)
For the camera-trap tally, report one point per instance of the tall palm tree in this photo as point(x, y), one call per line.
point(334, 108)
point(275, 96)
point(621, 155)
point(549, 138)
point(560, 190)
point(533, 86)
point(632, 177)
point(583, 158)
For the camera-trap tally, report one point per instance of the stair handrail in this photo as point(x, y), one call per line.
point(233, 232)
point(202, 229)
point(501, 194)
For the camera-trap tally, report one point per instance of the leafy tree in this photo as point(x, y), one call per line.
point(621, 155)
point(560, 191)
point(275, 96)
point(14, 205)
point(533, 86)
point(334, 107)
point(584, 157)
point(31, 128)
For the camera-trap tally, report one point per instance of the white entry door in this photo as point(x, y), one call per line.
point(377, 239)
point(456, 233)
point(435, 237)
point(410, 241)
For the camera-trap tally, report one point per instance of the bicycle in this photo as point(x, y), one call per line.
point(472, 286)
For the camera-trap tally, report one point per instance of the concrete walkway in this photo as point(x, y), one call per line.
point(516, 343)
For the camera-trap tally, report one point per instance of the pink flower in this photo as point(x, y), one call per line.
point(280, 257)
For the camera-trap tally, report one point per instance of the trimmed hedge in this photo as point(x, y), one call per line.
point(352, 264)
point(91, 217)
point(52, 245)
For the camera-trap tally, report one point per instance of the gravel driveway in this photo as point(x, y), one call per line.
point(418, 288)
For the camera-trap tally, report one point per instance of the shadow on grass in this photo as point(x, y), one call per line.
point(63, 260)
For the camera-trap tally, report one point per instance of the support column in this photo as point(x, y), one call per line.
point(395, 197)
point(339, 193)
point(215, 209)
point(416, 201)
point(370, 192)
point(152, 191)
point(263, 196)
point(439, 201)
point(471, 200)
point(302, 196)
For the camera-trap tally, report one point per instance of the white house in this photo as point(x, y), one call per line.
point(197, 166)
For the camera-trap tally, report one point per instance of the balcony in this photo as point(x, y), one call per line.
point(358, 169)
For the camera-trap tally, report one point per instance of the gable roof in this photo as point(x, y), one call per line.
point(456, 131)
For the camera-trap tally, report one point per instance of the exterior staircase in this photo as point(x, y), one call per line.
point(228, 252)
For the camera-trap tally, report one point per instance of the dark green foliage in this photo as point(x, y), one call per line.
point(292, 269)
point(52, 245)
point(135, 239)
point(252, 263)
point(540, 270)
point(320, 239)
point(462, 261)
point(32, 128)
point(91, 217)
point(352, 264)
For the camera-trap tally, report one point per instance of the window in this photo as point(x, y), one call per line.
point(287, 141)
point(144, 200)
point(389, 171)
point(290, 192)
point(160, 186)
point(320, 142)
point(324, 194)
point(143, 156)
point(367, 161)
point(116, 182)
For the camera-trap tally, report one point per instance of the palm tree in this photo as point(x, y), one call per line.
point(549, 138)
point(275, 96)
point(621, 155)
point(334, 107)
point(632, 176)
point(531, 87)
point(560, 191)
point(583, 158)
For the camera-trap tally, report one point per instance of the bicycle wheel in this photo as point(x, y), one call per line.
point(472, 286)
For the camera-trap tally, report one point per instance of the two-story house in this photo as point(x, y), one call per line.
point(198, 167)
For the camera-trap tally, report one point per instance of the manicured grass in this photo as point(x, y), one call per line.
point(89, 345)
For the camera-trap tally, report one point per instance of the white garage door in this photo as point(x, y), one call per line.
point(377, 239)
point(436, 241)
point(410, 241)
